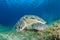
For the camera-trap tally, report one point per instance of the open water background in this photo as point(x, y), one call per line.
point(12, 11)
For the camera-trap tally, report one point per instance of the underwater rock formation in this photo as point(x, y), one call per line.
point(30, 22)
point(56, 28)
point(51, 33)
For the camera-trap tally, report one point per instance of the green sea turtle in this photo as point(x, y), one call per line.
point(30, 22)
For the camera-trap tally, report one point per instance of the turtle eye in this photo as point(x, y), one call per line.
point(19, 27)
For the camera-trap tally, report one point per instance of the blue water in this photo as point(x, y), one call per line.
point(12, 10)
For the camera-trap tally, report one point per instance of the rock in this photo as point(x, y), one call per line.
point(30, 22)
point(54, 29)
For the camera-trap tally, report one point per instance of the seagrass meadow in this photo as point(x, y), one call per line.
point(51, 33)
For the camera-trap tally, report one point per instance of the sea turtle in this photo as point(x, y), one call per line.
point(30, 22)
